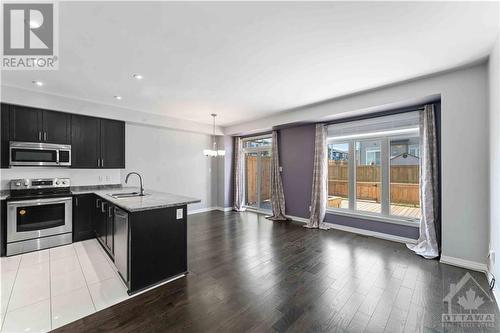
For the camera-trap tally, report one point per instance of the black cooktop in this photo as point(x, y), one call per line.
point(39, 194)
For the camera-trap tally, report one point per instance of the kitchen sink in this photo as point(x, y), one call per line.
point(127, 195)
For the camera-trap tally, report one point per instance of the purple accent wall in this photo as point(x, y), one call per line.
point(297, 158)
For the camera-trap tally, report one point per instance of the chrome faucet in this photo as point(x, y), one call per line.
point(140, 179)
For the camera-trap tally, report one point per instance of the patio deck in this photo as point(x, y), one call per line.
point(374, 207)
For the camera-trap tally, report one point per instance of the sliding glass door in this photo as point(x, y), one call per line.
point(257, 160)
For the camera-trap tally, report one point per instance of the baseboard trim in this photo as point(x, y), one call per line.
point(363, 232)
point(472, 265)
point(224, 209)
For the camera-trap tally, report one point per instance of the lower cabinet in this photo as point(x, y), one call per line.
point(83, 217)
point(104, 224)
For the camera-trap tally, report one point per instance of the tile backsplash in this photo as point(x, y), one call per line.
point(79, 177)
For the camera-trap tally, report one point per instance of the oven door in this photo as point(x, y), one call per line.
point(29, 219)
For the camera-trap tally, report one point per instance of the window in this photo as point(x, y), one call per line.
point(338, 169)
point(257, 165)
point(368, 181)
point(373, 166)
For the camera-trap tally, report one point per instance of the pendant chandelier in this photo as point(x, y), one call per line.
point(214, 152)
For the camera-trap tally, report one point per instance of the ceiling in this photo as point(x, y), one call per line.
point(250, 60)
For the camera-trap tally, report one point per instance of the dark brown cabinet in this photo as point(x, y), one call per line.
point(36, 125)
point(83, 217)
point(4, 147)
point(56, 127)
point(97, 143)
point(112, 144)
point(104, 224)
point(85, 145)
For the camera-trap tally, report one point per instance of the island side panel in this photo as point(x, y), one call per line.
point(158, 246)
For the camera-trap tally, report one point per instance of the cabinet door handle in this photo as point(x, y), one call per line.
point(44, 136)
point(76, 201)
point(97, 203)
point(98, 162)
point(39, 136)
point(103, 209)
point(110, 211)
point(102, 162)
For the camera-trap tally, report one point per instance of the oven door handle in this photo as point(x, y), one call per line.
point(39, 201)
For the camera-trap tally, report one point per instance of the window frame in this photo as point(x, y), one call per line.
point(385, 162)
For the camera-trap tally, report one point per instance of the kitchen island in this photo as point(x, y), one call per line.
point(145, 236)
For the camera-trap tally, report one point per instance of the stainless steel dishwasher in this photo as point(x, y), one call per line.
point(121, 239)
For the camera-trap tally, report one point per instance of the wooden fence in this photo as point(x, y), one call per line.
point(404, 182)
point(251, 184)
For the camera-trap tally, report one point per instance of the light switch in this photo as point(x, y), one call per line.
point(179, 213)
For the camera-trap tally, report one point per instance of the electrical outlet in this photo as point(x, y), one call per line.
point(180, 213)
point(108, 178)
point(100, 179)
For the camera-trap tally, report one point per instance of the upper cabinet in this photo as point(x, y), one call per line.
point(112, 144)
point(35, 125)
point(97, 143)
point(85, 146)
point(4, 148)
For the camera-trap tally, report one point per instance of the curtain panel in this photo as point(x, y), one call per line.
point(238, 175)
point(319, 193)
point(277, 195)
point(427, 243)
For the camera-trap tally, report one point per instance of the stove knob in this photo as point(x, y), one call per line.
point(57, 182)
point(18, 183)
point(26, 182)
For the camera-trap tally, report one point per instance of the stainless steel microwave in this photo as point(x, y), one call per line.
point(39, 154)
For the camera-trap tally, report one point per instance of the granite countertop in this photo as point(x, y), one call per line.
point(153, 199)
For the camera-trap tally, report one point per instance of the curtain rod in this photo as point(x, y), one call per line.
point(375, 115)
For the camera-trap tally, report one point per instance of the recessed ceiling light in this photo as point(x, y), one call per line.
point(138, 76)
point(118, 97)
point(37, 83)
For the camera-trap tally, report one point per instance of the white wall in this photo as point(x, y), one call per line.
point(79, 177)
point(171, 161)
point(494, 113)
point(464, 140)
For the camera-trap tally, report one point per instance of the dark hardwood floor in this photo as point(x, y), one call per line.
point(250, 274)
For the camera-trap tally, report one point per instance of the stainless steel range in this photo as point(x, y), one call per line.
point(39, 214)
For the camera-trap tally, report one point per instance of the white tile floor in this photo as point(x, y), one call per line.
point(47, 289)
